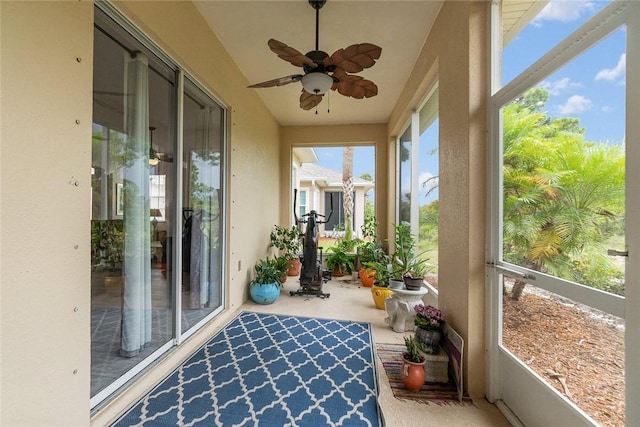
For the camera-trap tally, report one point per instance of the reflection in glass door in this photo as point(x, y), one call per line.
point(202, 208)
point(131, 307)
point(157, 191)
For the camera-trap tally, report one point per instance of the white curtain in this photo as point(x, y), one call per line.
point(136, 306)
point(205, 228)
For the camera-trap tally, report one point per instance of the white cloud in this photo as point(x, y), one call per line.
point(425, 184)
point(575, 104)
point(612, 74)
point(563, 11)
point(422, 187)
point(555, 87)
point(607, 109)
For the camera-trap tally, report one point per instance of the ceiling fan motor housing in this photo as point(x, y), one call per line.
point(317, 4)
point(317, 56)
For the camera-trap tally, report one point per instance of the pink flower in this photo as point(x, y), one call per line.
point(428, 317)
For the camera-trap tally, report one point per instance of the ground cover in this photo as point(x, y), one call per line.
point(578, 351)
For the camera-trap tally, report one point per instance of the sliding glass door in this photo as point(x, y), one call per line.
point(156, 220)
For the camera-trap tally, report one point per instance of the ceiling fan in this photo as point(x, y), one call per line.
point(323, 72)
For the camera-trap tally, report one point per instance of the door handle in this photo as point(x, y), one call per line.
point(613, 252)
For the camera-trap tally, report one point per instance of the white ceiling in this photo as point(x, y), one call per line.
point(399, 27)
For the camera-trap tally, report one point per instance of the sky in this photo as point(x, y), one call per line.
point(591, 87)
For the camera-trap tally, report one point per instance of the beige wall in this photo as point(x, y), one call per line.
point(455, 56)
point(44, 257)
point(45, 177)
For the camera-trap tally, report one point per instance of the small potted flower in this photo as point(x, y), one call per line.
point(413, 362)
point(429, 322)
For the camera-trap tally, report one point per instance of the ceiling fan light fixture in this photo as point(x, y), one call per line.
point(317, 83)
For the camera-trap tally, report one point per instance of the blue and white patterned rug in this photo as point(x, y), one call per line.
point(270, 370)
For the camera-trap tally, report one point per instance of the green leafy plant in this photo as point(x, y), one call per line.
point(287, 240)
point(270, 271)
point(107, 243)
point(383, 269)
point(414, 347)
point(405, 262)
point(339, 259)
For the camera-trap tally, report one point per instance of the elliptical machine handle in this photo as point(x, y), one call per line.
point(295, 198)
point(331, 212)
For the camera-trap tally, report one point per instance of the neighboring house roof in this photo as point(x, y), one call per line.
point(325, 177)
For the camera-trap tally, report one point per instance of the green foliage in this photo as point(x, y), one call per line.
point(270, 271)
point(414, 347)
point(286, 240)
point(405, 260)
point(370, 227)
point(370, 249)
point(107, 242)
point(341, 256)
point(563, 196)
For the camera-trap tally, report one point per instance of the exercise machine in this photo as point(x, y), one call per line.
point(312, 275)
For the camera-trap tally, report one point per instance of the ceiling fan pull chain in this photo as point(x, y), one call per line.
point(328, 101)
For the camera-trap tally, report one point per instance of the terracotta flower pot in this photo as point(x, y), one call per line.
point(367, 277)
point(294, 267)
point(412, 374)
point(337, 272)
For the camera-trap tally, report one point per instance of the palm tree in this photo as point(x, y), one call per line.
point(560, 191)
point(347, 191)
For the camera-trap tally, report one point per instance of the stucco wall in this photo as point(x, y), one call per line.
point(455, 56)
point(45, 177)
point(44, 255)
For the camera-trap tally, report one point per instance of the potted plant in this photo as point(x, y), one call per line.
point(429, 322)
point(339, 261)
point(265, 288)
point(287, 240)
point(107, 250)
point(406, 264)
point(283, 264)
point(413, 362)
point(380, 290)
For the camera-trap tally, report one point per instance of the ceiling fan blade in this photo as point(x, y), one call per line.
point(308, 100)
point(290, 54)
point(355, 58)
point(281, 81)
point(356, 87)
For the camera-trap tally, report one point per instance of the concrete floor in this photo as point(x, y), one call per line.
point(351, 301)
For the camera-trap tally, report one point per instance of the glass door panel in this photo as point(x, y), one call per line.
point(202, 207)
point(131, 306)
point(404, 178)
point(427, 180)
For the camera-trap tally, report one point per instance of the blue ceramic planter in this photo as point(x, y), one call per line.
point(265, 293)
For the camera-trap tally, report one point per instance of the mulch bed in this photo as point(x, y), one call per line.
point(576, 350)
